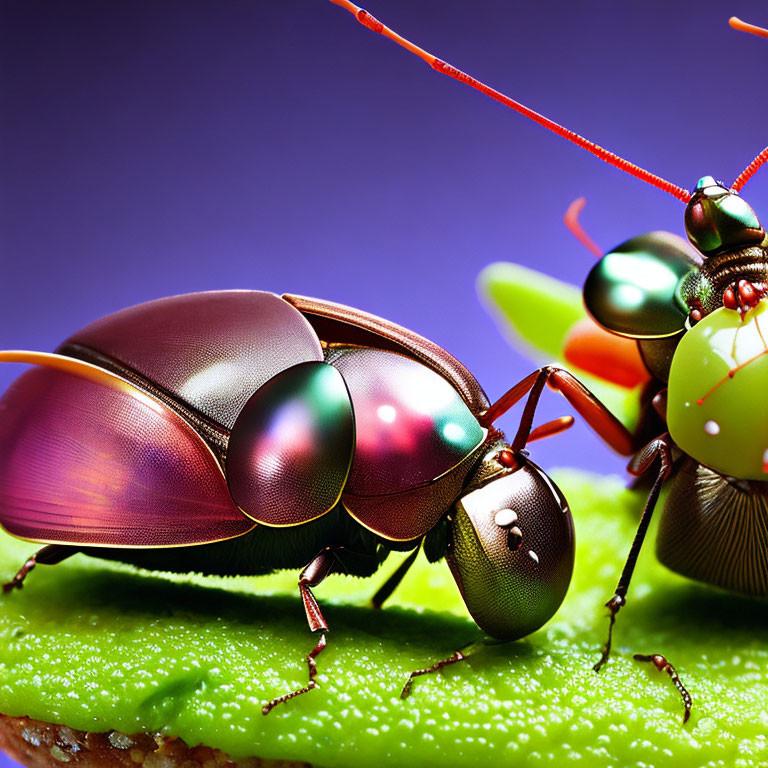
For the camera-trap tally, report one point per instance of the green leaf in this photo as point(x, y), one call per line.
point(536, 313)
point(99, 646)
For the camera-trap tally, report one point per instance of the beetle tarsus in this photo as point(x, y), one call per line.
point(311, 685)
point(50, 555)
point(406, 692)
point(661, 663)
point(17, 582)
point(614, 605)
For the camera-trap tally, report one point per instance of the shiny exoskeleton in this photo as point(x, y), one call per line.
point(240, 432)
point(697, 313)
point(699, 319)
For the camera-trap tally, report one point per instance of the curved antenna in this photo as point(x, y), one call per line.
point(375, 25)
point(751, 29)
point(750, 170)
point(571, 220)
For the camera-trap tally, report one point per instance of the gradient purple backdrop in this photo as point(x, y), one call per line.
point(151, 148)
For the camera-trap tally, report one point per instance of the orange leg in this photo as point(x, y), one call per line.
point(602, 421)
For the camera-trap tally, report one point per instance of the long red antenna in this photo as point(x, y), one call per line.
point(762, 158)
point(375, 25)
point(749, 171)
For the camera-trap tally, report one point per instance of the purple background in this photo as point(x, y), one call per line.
point(151, 148)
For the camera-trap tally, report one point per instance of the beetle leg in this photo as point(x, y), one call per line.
point(660, 449)
point(53, 554)
point(602, 421)
point(310, 577)
point(391, 584)
point(406, 692)
point(661, 663)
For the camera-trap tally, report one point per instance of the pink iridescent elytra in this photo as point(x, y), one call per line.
point(394, 440)
point(86, 463)
point(279, 432)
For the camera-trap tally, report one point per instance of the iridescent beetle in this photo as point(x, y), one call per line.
point(696, 317)
point(240, 432)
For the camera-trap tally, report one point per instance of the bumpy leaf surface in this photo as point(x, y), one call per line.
point(99, 646)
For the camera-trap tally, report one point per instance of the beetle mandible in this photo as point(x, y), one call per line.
point(241, 432)
point(694, 311)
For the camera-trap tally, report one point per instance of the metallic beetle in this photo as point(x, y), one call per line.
point(696, 312)
point(239, 432)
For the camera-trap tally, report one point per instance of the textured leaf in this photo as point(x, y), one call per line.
point(536, 313)
point(99, 646)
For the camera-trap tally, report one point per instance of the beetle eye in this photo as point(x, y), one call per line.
point(505, 518)
point(514, 539)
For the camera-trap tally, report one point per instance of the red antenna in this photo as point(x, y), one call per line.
point(375, 25)
point(571, 220)
point(749, 171)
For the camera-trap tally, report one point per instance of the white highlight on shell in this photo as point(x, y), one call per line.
point(386, 413)
point(712, 428)
point(505, 517)
point(533, 555)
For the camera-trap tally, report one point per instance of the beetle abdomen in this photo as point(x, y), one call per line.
point(715, 531)
point(265, 550)
point(210, 350)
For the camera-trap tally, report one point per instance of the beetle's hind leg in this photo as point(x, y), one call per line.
point(53, 554)
point(661, 663)
point(311, 576)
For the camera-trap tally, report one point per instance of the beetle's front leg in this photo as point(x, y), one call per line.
point(310, 577)
point(53, 554)
point(456, 657)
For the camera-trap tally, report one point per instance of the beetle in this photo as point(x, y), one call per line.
point(695, 313)
point(241, 432)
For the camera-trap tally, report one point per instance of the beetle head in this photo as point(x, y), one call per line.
point(717, 219)
point(511, 549)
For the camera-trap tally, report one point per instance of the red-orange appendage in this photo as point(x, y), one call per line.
point(750, 170)
point(751, 29)
point(571, 220)
point(554, 427)
point(375, 25)
point(605, 355)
